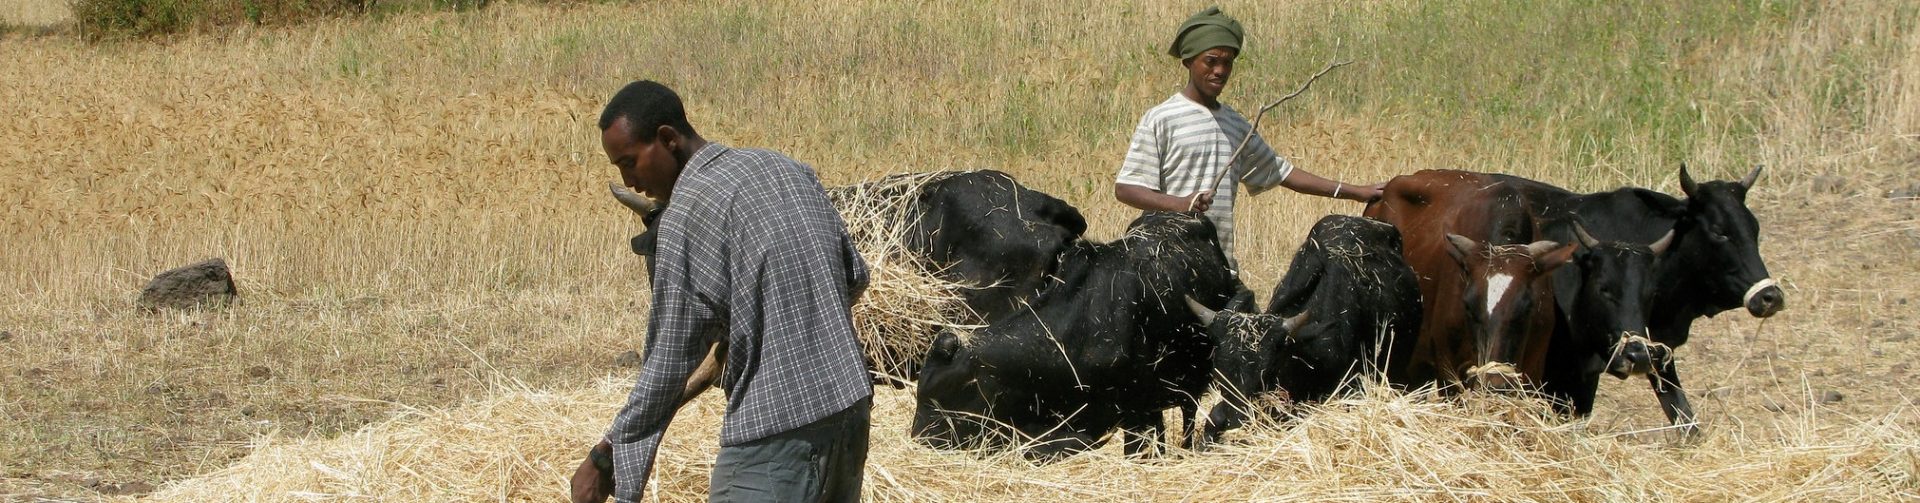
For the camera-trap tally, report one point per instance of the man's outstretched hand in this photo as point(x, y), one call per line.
point(593, 481)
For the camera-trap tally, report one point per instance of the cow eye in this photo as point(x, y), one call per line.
point(1718, 238)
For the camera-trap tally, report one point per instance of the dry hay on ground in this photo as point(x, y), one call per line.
point(1386, 445)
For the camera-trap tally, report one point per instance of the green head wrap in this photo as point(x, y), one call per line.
point(1207, 29)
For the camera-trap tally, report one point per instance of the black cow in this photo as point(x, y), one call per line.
point(1108, 344)
point(983, 229)
point(1712, 264)
point(976, 228)
point(1349, 306)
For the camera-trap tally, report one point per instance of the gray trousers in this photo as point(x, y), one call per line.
point(820, 462)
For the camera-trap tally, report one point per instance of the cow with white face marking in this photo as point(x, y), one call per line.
point(1488, 312)
point(1711, 264)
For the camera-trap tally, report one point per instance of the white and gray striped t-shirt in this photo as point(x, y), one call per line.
point(1180, 146)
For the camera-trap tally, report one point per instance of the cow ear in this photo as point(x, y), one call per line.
point(1548, 255)
point(1686, 182)
point(1460, 247)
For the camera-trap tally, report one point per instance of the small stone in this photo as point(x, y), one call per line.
point(259, 372)
point(248, 411)
point(1831, 396)
point(1774, 407)
point(6, 336)
point(628, 359)
point(1829, 184)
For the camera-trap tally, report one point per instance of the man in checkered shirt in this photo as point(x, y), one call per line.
point(748, 248)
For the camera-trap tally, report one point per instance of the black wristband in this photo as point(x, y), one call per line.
point(601, 459)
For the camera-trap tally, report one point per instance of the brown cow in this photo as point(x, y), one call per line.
point(1484, 282)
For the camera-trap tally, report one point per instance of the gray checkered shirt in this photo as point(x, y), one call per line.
point(751, 247)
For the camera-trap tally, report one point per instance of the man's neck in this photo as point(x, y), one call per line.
point(1193, 95)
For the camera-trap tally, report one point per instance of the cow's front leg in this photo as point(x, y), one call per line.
point(1673, 399)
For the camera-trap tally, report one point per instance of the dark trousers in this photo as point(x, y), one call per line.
point(822, 461)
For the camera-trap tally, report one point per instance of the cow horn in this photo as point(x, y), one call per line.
point(1291, 325)
point(1686, 182)
point(1587, 240)
point(1752, 176)
point(630, 199)
point(1462, 247)
point(1659, 246)
point(1200, 310)
point(1538, 248)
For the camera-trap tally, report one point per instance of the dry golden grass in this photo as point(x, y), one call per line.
point(415, 211)
point(1383, 446)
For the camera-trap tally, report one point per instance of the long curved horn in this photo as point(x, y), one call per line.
point(1291, 325)
point(1752, 176)
point(1200, 310)
point(1580, 231)
point(1659, 246)
point(633, 201)
point(1686, 182)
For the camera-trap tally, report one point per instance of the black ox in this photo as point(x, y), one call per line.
point(1109, 344)
point(1348, 307)
point(976, 228)
point(1711, 263)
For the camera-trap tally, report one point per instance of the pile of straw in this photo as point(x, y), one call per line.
point(905, 305)
point(1382, 445)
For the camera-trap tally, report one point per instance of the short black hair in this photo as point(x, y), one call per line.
point(646, 105)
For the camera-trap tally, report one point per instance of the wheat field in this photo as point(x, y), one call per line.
point(437, 291)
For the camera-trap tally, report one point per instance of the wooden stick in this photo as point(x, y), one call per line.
point(1255, 127)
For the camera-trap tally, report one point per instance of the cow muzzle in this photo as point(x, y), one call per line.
point(1496, 376)
point(1633, 354)
point(1765, 299)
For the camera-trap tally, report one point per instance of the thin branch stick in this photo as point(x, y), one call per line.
point(1255, 127)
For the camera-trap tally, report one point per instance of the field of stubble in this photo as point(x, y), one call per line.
point(437, 290)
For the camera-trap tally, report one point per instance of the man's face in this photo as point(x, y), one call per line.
point(648, 166)
point(1209, 70)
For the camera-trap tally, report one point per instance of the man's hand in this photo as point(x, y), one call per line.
point(1368, 193)
point(593, 481)
point(1201, 202)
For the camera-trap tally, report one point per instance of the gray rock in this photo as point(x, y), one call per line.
point(5, 336)
point(1831, 396)
point(1829, 184)
point(205, 283)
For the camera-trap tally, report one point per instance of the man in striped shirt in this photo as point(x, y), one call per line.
point(748, 248)
point(1183, 144)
